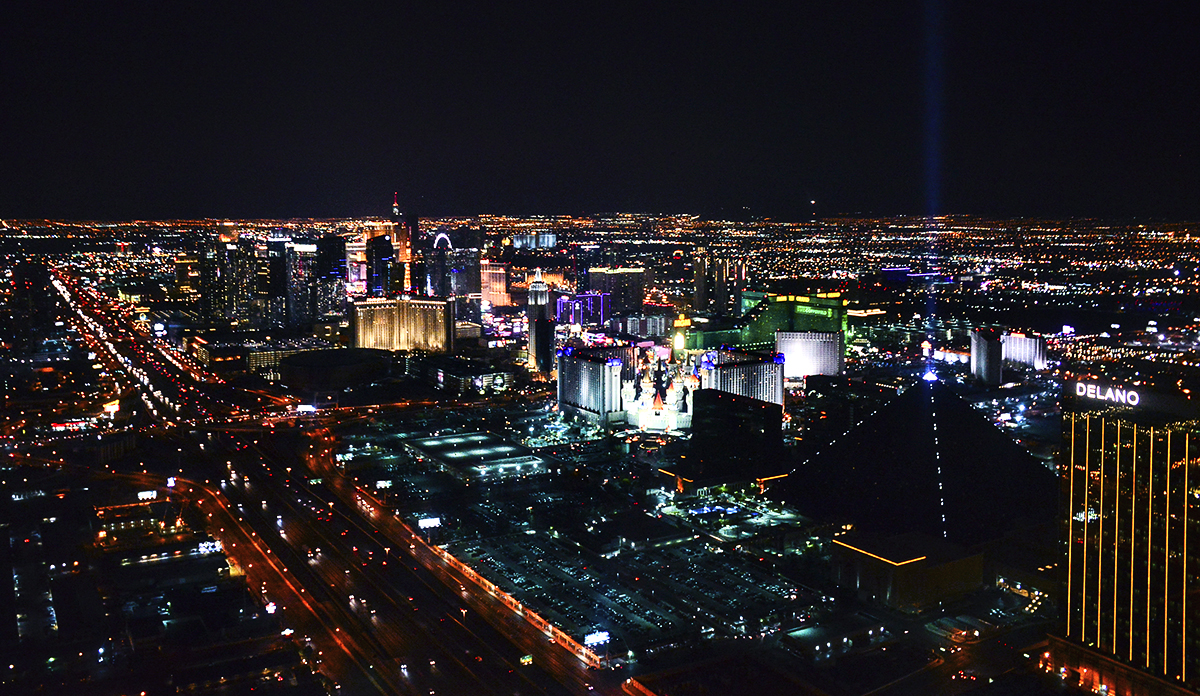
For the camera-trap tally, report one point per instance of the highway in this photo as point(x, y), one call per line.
point(383, 617)
point(411, 624)
point(340, 655)
point(173, 386)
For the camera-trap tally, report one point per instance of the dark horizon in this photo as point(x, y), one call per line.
point(123, 111)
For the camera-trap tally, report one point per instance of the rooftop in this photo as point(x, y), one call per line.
point(479, 455)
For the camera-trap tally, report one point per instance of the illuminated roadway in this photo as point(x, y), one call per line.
point(342, 654)
point(416, 620)
point(173, 386)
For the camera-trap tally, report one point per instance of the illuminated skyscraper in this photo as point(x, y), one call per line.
point(746, 374)
point(494, 283)
point(589, 384)
point(301, 284)
point(539, 293)
point(381, 257)
point(270, 291)
point(356, 267)
point(811, 352)
point(717, 283)
point(1133, 587)
point(1026, 349)
point(227, 280)
point(422, 323)
point(729, 277)
point(986, 355)
point(330, 276)
point(463, 272)
point(541, 328)
point(187, 275)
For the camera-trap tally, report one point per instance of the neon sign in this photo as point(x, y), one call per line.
point(1113, 394)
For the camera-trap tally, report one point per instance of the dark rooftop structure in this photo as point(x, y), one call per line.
point(735, 438)
point(731, 675)
point(926, 462)
point(334, 369)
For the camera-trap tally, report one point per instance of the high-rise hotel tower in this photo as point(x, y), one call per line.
point(1131, 487)
point(405, 323)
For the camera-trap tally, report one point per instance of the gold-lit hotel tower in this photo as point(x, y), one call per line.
point(1132, 501)
point(405, 323)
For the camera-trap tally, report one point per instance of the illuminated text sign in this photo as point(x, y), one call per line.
point(1102, 393)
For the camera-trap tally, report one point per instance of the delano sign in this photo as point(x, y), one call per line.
point(1113, 394)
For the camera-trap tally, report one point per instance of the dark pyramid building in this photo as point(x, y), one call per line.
point(927, 462)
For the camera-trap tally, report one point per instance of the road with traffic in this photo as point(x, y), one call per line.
point(416, 626)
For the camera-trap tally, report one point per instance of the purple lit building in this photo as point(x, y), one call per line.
point(584, 308)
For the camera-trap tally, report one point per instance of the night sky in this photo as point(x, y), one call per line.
point(119, 110)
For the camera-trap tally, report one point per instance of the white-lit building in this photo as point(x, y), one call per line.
point(1025, 349)
point(987, 353)
point(745, 374)
point(643, 387)
point(642, 325)
point(535, 240)
point(626, 384)
point(589, 385)
point(811, 352)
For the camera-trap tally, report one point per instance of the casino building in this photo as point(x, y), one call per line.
point(987, 352)
point(1130, 485)
point(811, 352)
point(743, 373)
point(646, 388)
point(405, 323)
point(1025, 349)
point(589, 383)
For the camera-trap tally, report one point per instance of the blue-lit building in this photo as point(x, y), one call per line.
point(381, 257)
